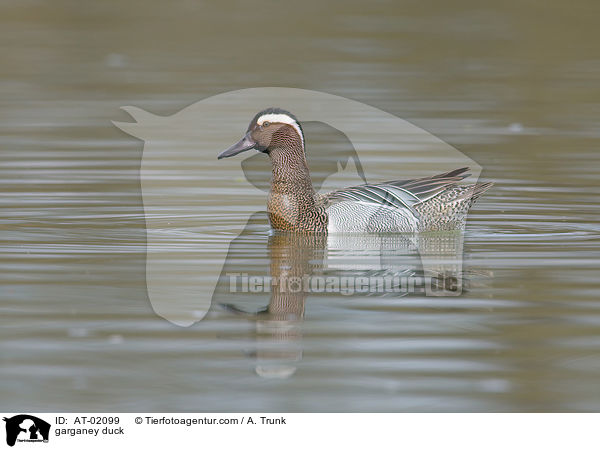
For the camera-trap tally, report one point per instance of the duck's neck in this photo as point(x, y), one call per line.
point(290, 169)
point(292, 204)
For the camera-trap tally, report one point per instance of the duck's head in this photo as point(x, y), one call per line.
point(269, 129)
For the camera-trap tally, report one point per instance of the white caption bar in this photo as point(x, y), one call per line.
point(294, 430)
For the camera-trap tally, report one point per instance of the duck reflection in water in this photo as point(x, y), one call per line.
point(269, 284)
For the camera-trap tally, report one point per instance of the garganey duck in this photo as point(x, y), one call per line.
point(417, 205)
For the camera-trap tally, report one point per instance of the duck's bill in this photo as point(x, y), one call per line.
point(247, 143)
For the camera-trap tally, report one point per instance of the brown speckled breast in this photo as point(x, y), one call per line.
point(295, 210)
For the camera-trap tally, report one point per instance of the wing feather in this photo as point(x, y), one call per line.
point(398, 194)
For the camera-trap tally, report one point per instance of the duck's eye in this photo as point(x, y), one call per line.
point(265, 124)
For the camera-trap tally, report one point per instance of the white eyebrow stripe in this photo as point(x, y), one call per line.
point(282, 118)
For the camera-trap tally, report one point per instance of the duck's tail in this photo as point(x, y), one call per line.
point(472, 192)
point(449, 209)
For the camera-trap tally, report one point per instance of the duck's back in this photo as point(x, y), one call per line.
point(418, 205)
